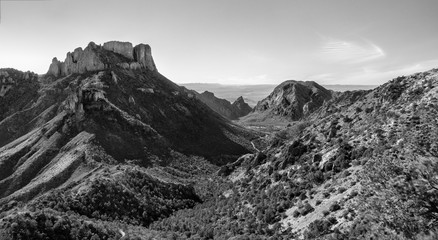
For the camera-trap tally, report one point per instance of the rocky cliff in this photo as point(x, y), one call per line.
point(95, 57)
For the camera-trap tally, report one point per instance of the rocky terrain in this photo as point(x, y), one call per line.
point(95, 58)
point(105, 147)
point(291, 100)
point(104, 126)
point(232, 111)
point(361, 166)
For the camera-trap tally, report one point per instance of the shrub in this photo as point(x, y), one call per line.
point(303, 196)
point(334, 207)
point(296, 214)
point(341, 189)
point(307, 208)
point(319, 228)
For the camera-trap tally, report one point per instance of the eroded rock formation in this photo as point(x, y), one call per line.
point(95, 58)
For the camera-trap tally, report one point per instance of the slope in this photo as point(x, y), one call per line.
point(104, 111)
point(361, 166)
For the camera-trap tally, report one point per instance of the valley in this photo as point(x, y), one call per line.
point(103, 146)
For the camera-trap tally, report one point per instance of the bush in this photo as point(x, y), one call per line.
point(296, 214)
point(319, 228)
point(307, 208)
point(342, 189)
point(334, 207)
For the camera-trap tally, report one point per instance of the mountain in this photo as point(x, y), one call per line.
point(104, 136)
point(254, 93)
point(105, 147)
point(242, 107)
point(290, 101)
point(362, 165)
point(230, 111)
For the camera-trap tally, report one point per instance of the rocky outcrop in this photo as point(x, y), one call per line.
point(95, 58)
point(294, 100)
point(55, 67)
point(124, 48)
point(231, 111)
point(242, 107)
point(78, 61)
point(143, 55)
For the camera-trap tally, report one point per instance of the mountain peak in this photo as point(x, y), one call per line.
point(96, 57)
point(239, 100)
point(294, 99)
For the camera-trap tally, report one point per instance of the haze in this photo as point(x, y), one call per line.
point(234, 42)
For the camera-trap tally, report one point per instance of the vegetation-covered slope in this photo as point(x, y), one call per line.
point(100, 140)
point(363, 166)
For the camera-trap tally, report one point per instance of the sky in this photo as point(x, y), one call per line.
point(364, 42)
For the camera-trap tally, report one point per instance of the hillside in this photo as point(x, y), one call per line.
point(232, 111)
point(105, 147)
point(290, 101)
point(104, 126)
point(362, 166)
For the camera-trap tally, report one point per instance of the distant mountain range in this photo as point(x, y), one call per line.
point(254, 93)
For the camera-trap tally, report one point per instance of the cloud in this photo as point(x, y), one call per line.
point(350, 52)
point(375, 75)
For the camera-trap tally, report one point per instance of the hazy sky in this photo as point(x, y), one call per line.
point(234, 41)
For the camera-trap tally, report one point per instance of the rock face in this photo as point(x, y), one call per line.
point(143, 55)
point(55, 67)
point(95, 58)
point(231, 111)
point(123, 48)
point(294, 99)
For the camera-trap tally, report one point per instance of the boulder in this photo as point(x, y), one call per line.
point(135, 66)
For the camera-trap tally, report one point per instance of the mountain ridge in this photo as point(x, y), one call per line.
point(91, 115)
point(232, 111)
point(106, 151)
